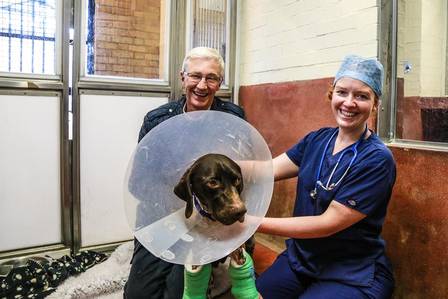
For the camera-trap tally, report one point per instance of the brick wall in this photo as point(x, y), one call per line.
point(127, 38)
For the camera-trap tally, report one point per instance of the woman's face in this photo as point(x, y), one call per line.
point(352, 103)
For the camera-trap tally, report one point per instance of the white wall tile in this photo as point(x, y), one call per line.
point(289, 40)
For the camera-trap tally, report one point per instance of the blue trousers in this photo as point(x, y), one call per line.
point(280, 281)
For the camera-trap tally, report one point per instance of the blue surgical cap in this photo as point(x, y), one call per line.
point(368, 70)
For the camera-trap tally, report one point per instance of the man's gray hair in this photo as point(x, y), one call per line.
point(204, 53)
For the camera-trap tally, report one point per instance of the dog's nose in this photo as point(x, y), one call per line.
point(231, 214)
point(238, 214)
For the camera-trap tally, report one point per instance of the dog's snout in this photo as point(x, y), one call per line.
point(240, 215)
point(232, 214)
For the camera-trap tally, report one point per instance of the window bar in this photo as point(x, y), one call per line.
point(217, 17)
point(33, 17)
point(43, 42)
point(9, 38)
point(210, 24)
point(217, 26)
point(224, 30)
point(199, 24)
point(91, 38)
point(21, 36)
point(218, 30)
point(198, 17)
point(210, 27)
point(195, 23)
point(204, 24)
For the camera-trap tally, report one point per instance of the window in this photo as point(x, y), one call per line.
point(208, 26)
point(126, 38)
point(28, 36)
point(421, 64)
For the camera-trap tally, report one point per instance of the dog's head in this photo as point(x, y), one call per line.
point(217, 183)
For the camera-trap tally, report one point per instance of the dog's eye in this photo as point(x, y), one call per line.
point(213, 183)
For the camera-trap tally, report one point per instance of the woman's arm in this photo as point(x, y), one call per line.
point(284, 168)
point(336, 218)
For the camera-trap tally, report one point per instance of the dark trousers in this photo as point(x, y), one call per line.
point(153, 278)
point(280, 281)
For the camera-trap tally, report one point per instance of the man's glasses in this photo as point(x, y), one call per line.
point(211, 80)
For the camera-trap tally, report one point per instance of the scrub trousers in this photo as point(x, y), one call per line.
point(153, 278)
point(280, 281)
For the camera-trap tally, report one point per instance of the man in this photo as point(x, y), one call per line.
point(202, 74)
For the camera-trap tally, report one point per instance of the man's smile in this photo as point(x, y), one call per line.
point(200, 94)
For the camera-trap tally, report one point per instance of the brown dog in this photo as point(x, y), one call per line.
point(213, 185)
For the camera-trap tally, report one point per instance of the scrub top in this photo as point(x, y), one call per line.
point(350, 255)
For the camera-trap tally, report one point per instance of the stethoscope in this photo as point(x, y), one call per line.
point(330, 186)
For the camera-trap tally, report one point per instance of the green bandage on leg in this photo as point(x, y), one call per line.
point(196, 282)
point(243, 279)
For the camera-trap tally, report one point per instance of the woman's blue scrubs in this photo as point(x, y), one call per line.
point(351, 263)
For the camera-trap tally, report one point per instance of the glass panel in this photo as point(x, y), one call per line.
point(126, 38)
point(27, 36)
point(422, 94)
point(209, 24)
point(101, 178)
point(30, 180)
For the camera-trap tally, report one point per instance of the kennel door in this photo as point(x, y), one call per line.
point(30, 163)
point(109, 127)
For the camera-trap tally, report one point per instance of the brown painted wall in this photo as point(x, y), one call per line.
point(416, 228)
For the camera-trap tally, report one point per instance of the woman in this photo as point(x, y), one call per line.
point(346, 175)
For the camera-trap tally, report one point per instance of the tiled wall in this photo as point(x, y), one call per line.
point(286, 40)
point(422, 44)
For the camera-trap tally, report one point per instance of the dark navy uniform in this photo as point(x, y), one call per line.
point(151, 277)
point(351, 263)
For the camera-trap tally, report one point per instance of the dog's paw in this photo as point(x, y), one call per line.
point(237, 256)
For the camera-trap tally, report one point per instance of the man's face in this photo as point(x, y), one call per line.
point(200, 92)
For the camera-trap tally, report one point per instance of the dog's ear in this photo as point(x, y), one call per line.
point(183, 191)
